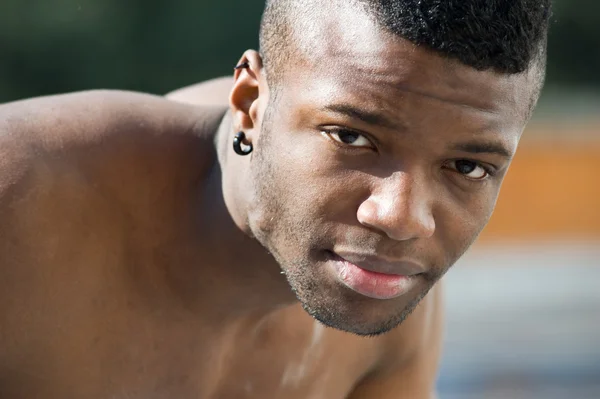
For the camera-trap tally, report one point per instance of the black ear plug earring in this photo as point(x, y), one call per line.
point(237, 144)
point(241, 136)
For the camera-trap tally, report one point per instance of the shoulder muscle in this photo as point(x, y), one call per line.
point(82, 164)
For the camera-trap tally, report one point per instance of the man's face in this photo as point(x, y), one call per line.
point(376, 168)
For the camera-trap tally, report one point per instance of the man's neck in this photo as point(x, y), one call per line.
point(239, 276)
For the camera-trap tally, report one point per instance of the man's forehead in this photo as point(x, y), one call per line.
point(346, 45)
point(409, 76)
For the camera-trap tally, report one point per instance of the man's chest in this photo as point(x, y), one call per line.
point(132, 357)
point(310, 362)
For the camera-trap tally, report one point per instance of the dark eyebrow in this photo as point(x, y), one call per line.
point(369, 117)
point(378, 119)
point(484, 148)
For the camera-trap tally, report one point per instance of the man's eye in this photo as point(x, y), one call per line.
point(348, 137)
point(470, 169)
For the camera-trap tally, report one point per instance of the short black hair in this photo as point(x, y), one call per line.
point(506, 36)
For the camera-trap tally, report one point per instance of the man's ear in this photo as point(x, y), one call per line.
point(249, 93)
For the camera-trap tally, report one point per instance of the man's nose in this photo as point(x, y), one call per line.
point(400, 207)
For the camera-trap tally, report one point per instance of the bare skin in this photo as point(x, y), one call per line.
point(109, 314)
point(132, 248)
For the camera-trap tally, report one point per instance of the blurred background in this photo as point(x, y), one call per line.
point(523, 308)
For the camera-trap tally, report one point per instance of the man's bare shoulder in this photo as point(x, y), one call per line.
point(90, 183)
point(103, 127)
point(69, 163)
point(86, 117)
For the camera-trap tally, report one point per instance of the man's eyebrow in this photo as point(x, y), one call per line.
point(378, 119)
point(369, 117)
point(484, 148)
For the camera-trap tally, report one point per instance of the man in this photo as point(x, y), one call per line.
point(154, 249)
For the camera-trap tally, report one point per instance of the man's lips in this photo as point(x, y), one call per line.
point(373, 277)
point(380, 265)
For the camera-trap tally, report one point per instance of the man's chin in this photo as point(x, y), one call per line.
point(359, 321)
point(362, 330)
point(337, 306)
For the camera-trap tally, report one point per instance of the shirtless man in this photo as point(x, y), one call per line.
point(148, 250)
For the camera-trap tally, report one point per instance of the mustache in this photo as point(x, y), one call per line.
point(378, 245)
